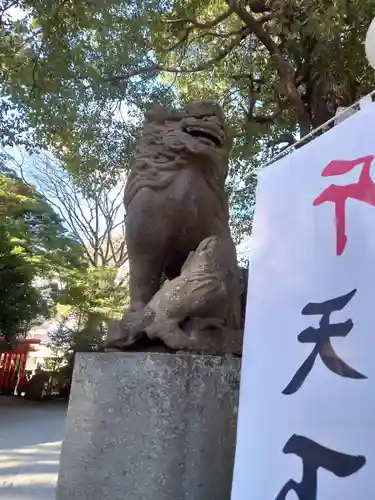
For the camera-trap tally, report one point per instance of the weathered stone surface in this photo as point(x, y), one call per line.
point(191, 311)
point(175, 200)
point(150, 426)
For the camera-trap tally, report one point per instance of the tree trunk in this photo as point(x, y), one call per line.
point(304, 125)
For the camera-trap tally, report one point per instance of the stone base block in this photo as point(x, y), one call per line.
point(150, 426)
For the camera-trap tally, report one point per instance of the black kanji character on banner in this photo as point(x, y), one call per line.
point(313, 456)
point(321, 338)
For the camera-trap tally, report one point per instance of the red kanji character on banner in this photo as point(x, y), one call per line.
point(363, 190)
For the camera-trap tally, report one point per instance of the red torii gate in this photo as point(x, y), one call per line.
point(13, 362)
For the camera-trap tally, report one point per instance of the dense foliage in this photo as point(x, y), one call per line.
point(76, 75)
point(44, 271)
point(90, 298)
point(54, 56)
point(34, 250)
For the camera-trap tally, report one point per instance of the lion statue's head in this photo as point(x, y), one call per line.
point(173, 139)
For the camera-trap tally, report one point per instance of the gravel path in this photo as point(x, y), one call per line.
point(30, 440)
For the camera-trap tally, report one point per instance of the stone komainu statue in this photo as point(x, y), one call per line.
point(176, 202)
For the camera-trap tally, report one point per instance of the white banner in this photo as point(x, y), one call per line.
point(306, 426)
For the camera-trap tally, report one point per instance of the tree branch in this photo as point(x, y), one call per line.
point(196, 24)
point(285, 72)
point(213, 34)
point(6, 7)
point(259, 6)
point(90, 220)
point(220, 35)
point(263, 19)
point(201, 67)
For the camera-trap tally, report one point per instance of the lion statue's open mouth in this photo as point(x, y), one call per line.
point(205, 132)
point(205, 122)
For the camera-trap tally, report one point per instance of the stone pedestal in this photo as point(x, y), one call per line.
point(150, 426)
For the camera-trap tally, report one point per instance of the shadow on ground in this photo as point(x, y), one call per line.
point(30, 440)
